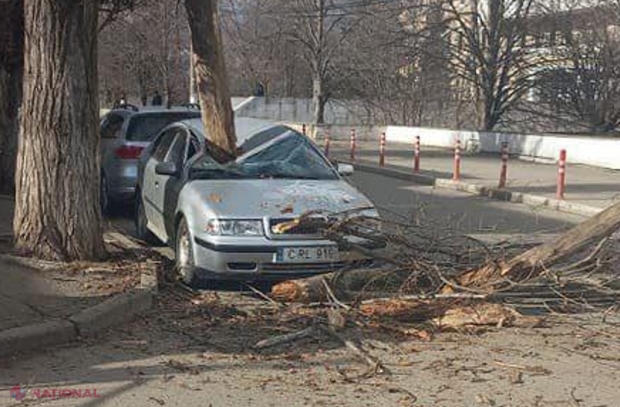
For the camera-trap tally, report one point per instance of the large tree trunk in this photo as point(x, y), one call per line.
point(318, 101)
point(11, 69)
point(211, 79)
point(57, 213)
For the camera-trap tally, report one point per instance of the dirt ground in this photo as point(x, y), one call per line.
point(196, 350)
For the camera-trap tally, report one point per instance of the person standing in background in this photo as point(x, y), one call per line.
point(157, 101)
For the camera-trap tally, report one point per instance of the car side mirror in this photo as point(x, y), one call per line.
point(345, 169)
point(167, 168)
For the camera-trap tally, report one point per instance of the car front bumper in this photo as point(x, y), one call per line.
point(244, 262)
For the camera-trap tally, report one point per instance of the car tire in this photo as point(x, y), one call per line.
point(104, 196)
point(184, 253)
point(142, 232)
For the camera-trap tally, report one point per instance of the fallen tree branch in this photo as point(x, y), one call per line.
point(495, 276)
point(282, 339)
point(374, 365)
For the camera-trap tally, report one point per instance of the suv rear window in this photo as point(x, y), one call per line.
point(144, 127)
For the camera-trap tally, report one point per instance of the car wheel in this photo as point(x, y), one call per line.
point(142, 232)
point(184, 253)
point(104, 196)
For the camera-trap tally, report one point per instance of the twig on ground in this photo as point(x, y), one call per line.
point(375, 365)
point(282, 339)
point(264, 296)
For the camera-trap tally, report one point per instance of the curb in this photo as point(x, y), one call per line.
point(30, 337)
point(87, 323)
point(480, 190)
point(119, 309)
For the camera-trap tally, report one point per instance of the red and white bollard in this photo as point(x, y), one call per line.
point(504, 172)
point(382, 150)
point(353, 142)
point(456, 174)
point(561, 175)
point(327, 143)
point(303, 129)
point(416, 155)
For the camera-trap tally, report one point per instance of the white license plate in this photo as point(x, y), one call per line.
point(312, 254)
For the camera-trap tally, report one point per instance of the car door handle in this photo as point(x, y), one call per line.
point(156, 184)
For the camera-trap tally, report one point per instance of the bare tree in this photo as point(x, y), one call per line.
point(585, 85)
point(57, 214)
point(258, 52)
point(379, 66)
point(320, 28)
point(145, 49)
point(486, 53)
point(109, 10)
point(211, 77)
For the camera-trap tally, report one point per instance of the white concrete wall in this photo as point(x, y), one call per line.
point(595, 151)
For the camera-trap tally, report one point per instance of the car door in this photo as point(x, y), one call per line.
point(174, 185)
point(166, 187)
point(151, 180)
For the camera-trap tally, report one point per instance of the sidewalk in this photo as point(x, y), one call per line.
point(589, 186)
point(48, 303)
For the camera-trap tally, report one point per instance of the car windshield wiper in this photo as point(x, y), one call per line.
point(218, 171)
point(284, 175)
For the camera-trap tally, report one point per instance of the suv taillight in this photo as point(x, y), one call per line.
point(128, 152)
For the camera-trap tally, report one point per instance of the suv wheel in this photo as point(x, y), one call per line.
point(184, 253)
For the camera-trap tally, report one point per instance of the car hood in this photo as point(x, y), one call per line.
point(257, 198)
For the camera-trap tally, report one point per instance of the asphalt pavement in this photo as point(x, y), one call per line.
point(585, 185)
point(458, 211)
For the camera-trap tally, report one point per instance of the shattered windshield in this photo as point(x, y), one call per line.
point(288, 156)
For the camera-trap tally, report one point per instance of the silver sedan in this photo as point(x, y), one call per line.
point(237, 220)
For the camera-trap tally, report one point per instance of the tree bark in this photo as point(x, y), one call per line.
point(11, 70)
point(312, 289)
point(318, 101)
point(211, 79)
point(57, 213)
point(318, 93)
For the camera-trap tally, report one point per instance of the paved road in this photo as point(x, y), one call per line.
point(597, 187)
point(164, 361)
point(458, 211)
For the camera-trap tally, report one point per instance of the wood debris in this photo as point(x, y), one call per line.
point(285, 338)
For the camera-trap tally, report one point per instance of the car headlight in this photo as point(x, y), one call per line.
point(235, 227)
point(370, 221)
point(370, 213)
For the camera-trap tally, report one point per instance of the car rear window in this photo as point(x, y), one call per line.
point(145, 127)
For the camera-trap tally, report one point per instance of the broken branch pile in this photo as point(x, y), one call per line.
point(436, 271)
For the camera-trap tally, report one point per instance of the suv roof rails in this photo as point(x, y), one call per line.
point(128, 106)
point(190, 106)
